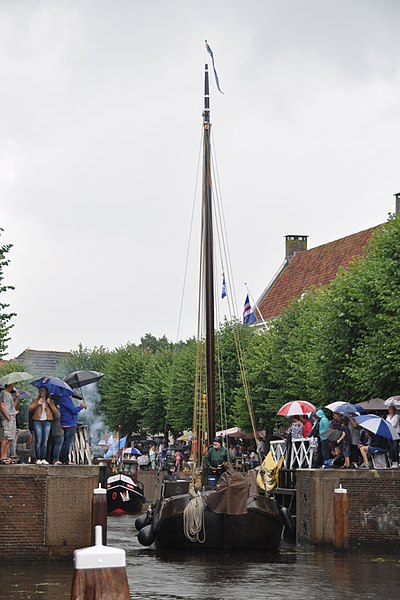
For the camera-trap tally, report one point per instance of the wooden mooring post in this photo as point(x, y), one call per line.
point(100, 572)
point(340, 519)
point(99, 512)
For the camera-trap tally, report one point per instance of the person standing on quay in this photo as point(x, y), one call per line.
point(57, 433)
point(8, 422)
point(393, 419)
point(42, 409)
point(69, 420)
point(323, 426)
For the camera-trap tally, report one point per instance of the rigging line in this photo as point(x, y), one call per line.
point(199, 415)
point(190, 234)
point(223, 222)
point(219, 235)
point(223, 234)
point(224, 251)
point(221, 386)
point(184, 278)
point(246, 387)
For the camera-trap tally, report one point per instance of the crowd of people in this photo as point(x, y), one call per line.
point(52, 422)
point(349, 445)
point(336, 442)
point(177, 456)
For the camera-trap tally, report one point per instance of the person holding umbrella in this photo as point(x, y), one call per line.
point(69, 420)
point(42, 409)
point(345, 441)
point(8, 421)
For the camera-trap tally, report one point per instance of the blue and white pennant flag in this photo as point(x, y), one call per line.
point(210, 52)
point(223, 293)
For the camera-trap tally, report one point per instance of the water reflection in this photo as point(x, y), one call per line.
point(294, 572)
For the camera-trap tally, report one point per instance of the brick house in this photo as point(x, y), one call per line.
point(305, 269)
point(41, 362)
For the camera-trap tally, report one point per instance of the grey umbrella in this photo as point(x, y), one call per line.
point(331, 434)
point(79, 379)
point(15, 377)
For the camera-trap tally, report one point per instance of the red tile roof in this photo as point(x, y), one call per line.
point(312, 268)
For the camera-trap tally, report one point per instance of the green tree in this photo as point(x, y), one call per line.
point(85, 359)
point(121, 388)
point(233, 347)
point(154, 391)
point(374, 366)
point(152, 344)
point(5, 316)
point(181, 391)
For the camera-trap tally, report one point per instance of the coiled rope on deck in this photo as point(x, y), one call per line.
point(193, 519)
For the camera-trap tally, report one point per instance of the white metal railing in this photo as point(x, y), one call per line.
point(278, 449)
point(301, 455)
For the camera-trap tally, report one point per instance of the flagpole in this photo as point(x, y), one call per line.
point(255, 305)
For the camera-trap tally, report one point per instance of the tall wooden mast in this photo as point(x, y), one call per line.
point(209, 260)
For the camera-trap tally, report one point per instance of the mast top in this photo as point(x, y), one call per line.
point(206, 111)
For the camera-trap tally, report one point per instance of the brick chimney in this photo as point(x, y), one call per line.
point(295, 244)
point(397, 196)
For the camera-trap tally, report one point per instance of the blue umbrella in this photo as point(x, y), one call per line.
point(23, 394)
point(54, 385)
point(378, 426)
point(133, 451)
point(346, 409)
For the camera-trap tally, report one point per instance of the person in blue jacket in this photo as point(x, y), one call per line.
point(323, 426)
point(69, 420)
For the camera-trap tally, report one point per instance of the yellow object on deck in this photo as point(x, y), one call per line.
point(267, 477)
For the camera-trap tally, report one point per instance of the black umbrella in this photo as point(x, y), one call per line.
point(331, 434)
point(78, 379)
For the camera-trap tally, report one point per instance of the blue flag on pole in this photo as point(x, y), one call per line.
point(113, 449)
point(121, 444)
point(223, 293)
point(210, 52)
point(248, 315)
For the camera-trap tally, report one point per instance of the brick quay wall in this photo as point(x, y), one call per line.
point(374, 505)
point(45, 511)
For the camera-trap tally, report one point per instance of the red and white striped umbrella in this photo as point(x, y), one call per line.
point(296, 407)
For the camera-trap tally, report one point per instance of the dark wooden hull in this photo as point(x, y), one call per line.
point(124, 495)
point(259, 529)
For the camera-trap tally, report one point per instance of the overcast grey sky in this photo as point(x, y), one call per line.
point(100, 120)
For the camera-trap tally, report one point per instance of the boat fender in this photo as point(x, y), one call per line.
point(287, 521)
point(146, 535)
point(142, 521)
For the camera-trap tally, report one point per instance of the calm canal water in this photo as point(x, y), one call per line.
point(295, 572)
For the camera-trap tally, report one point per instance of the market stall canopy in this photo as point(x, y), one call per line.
point(236, 432)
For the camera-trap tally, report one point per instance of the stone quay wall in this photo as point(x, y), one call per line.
point(45, 511)
point(374, 505)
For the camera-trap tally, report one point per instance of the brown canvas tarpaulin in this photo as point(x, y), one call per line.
point(231, 494)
